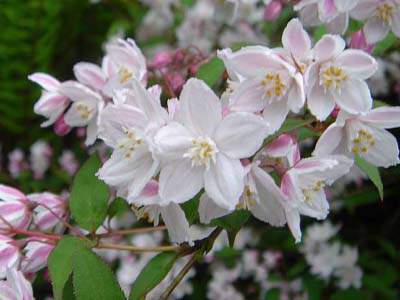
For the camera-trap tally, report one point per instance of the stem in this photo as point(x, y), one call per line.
point(131, 231)
point(37, 234)
point(135, 249)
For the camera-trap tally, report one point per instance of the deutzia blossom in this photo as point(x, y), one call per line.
point(268, 83)
point(10, 255)
point(14, 209)
point(40, 158)
point(380, 17)
point(35, 256)
point(204, 150)
point(304, 183)
point(16, 287)
point(364, 135)
point(132, 163)
point(333, 13)
point(338, 76)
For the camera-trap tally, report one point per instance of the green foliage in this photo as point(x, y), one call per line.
point(372, 172)
point(211, 72)
point(93, 279)
point(152, 274)
point(89, 196)
point(118, 207)
point(191, 208)
point(384, 45)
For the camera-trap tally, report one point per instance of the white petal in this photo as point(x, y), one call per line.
point(240, 135)
point(91, 132)
point(224, 181)
point(296, 40)
point(354, 96)
point(329, 140)
point(275, 114)
point(179, 181)
point(396, 22)
point(248, 96)
point(177, 225)
point(78, 92)
point(364, 9)
point(74, 117)
point(320, 103)
point(375, 30)
point(328, 47)
point(208, 210)
point(200, 109)
point(383, 117)
point(90, 74)
point(269, 208)
point(339, 24)
point(47, 82)
point(293, 220)
point(297, 96)
point(317, 207)
point(357, 63)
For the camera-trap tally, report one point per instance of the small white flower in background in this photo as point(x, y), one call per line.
point(363, 135)
point(40, 158)
point(380, 17)
point(204, 150)
point(348, 273)
point(317, 234)
point(68, 162)
point(10, 255)
point(16, 163)
point(132, 163)
point(15, 287)
point(338, 76)
point(333, 13)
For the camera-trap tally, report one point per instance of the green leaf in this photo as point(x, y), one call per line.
point(379, 103)
point(93, 279)
point(152, 274)
point(372, 172)
point(118, 207)
point(191, 208)
point(385, 44)
point(351, 294)
point(211, 71)
point(60, 263)
point(68, 293)
point(89, 196)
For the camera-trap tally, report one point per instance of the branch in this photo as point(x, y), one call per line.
point(135, 249)
point(131, 231)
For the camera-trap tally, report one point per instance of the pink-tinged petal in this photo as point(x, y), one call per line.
point(78, 92)
point(173, 141)
point(383, 117)
point(115, 118)
point(74, 116)
point(339, 24)
point(240, 135)
point(288, 187)
point(297, 96)
point(248, 97)
point(345, 5)
point(364, 9)
point(317, 207)
point(309, 15)
point(321, 104)
point(282, 146)
point(275, 114)
point(176, 222)
point(354, 96)
point(293, 221)
point(328, 47)
point(90, 74)
point(8, 193)
point(326, 10)
point(296, 40)
point(329, 140)
point(50, 105)
point(357, 63)
point(180, 182)
point(396, 22)
point(108, 67)
point(224, 181)
point(270, 206)
point(47, 82)
point(149, 195)
point(173, 109)
point(208, 210)
point(375, 30)
point(92, 131)
point(200, 109)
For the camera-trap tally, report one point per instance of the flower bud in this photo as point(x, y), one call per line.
point(50, 210)
point(14, 209)
point(16, 163)
point(60, 127)
point(175, 81)
point(272, 10)
point(358, 41)
point(36, 254)
point(161, 60)
point(9, 254)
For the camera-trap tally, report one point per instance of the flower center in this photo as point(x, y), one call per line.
point(203, 151)
point(385, 12)
point(84, 111)
point(248, 198)
point(274, 85)
point(309, 192)
point(362, 142)
point(332, 78)
point(124, 75)
point(129, 143)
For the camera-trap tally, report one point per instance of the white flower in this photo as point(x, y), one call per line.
point(40, 158)
point(204, 149)
point(364, 135)
point(16, 287)
point(10, 255)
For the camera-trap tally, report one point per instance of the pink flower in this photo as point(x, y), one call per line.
point(9, 255)
point(272, 10)
point(90, 75)
point(40, 158)
point(35, 255)
point(161, 60)
point(52, 103)
point(45, 219)
point(16, 163)
point(204, 150)
point(338, 76)
point(358, 41)
point(60, 127)
point(380, 17)
point(14, 208)
point(68, 162)
point(364, 135)
point(16, 287)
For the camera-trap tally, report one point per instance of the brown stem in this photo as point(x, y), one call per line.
point(131, 231)
point(135, 249)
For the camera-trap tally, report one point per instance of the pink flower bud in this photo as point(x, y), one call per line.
point(14, 209)
point(81, 132)
point(35, 256)
point(9, 254)
point(335, 111)
point(179, 56)
point(358, 41)
point(45, 219)
point(272, 10)
point(175, 81)
point(161, 60)
point(17, 163)
point(60, 127)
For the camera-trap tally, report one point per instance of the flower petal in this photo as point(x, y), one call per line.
point(339, 24)
point(357, 63)
point(76, 117)
point(329, 140)
point(8, 193)
point(375, 30)
point(275, 114)
point(320, 103)
point(383, 117)
point(239, 135)
point(47, 82)
point(177, 225)
point(209, 210)
point(224, 181)
point(248, 97)
point(90, 74)
point(296, 40)
point(328, 47)
point(354, 96)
